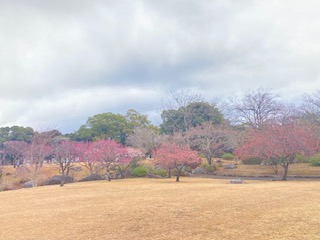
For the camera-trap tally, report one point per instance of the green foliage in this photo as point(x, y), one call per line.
point(140, 172)
point(252, 161)
point(137, 120)
point(210, 167)
point(300, 158)
point(108, 125)
point(160, 172)
point(111, 126)
point(83, 134)
point(315, 160)
point(136, 163)
point(16, 133)
point(183, 118)
point(228, 156)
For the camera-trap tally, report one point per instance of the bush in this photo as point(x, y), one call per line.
point(92, 177)
point(300, 158)
point(140, 172)
point(58, 179)
point(160, 172)
point(315, 160)
point(210, 168)
point(136, 163)
point(228, 156)
point(252, 161)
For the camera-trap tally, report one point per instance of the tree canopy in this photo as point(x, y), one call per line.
point(192, 115)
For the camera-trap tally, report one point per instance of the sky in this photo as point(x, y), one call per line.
point(64, 61)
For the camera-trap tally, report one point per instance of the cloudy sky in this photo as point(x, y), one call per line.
point(63, 61)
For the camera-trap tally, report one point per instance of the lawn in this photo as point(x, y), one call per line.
point(163, 209)
point(297, 169)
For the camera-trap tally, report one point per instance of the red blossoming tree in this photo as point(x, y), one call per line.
point(279, 144)
point(90, 156)
point(172, 155)
point(109, 152)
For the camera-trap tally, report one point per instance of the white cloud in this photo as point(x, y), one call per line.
point(63, 61)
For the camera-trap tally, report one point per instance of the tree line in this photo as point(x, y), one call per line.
point(259, 124)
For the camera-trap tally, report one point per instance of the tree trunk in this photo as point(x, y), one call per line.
point(178, 173)
point(62, 181)
point(108, 177)
point(285, 173)
point(178, 177)
point(209, 159)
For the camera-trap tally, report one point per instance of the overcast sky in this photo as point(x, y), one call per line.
point(65, 60)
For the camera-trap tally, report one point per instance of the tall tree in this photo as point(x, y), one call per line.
point(83, 134)
point(192, 115)
point(103, 126)
point(173, 112)
point(137, 120)
point(256, 107)
point(310, 107)
point(16, 133)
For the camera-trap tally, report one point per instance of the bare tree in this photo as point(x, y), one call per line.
point(310, 108)
point(174, 109)
point(257, 107)
point(211, 140)
point(180, 98)
point(38, 150)
point(16, 151)
point(145, 139)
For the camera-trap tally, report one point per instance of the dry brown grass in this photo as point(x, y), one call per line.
point(297, 169)
point(163, 209)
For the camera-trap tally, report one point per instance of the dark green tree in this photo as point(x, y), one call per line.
point(16, 133)
point(193, 115)
point(109, 125)
point(83, 134)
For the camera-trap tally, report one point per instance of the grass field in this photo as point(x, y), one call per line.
point(297, 169)
point(163, 209)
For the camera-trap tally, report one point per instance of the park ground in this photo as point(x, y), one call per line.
point(141, 208)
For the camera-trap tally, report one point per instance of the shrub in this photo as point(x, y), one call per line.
point(136, 163)
point(92, 177)
point(160, 172)
point(315, 160)
point(58, 179)
point(300, 158)
point(210, 168)
point(140, 172)
point(228, 156)
point(252, 161)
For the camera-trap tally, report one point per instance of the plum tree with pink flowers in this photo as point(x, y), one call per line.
point(174, 156)
point(279, 144)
